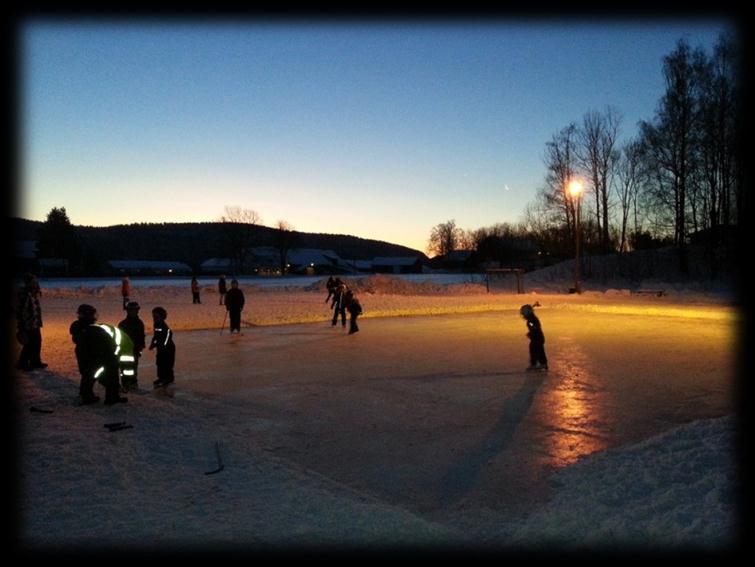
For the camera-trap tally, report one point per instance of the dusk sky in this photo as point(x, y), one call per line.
point(377, 129)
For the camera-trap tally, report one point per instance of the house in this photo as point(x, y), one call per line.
point(397, 265)
point(151, 267)
point(217, 266)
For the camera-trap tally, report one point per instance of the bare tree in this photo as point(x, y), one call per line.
point(597, 157)
point(444, 238)
point(239, 230)
point(628, 174)
point(560, 163)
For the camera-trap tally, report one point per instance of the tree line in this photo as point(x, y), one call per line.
point(680, 178)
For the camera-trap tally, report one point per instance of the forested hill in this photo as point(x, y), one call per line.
point(194, 243)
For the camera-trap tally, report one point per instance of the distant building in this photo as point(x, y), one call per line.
point(217, 266)
point(397, 265)
point(148, 267)
point(25, 256)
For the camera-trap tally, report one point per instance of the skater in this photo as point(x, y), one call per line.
point(195, 290)
point(339, 303)
point(355, 310)
point(29, 325)
point(162, 340)
point(538, 360)
point(99, 349)
point(331, 286)
point(234, 304)
point(133, 326)
point(125, 291)
point(222, 289)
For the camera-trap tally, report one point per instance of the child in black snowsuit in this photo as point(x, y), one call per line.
point(87, 315)
point(134, 328)
point(355, 310)
point(538, 360)
point(339, 304)
point(234, 304)
point(162, 340)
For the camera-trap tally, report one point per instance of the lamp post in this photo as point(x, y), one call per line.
point(575, 190)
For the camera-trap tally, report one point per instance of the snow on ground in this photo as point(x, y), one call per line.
point(135, 483)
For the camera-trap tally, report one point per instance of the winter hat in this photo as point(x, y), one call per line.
point(525, 310)
point(133, 305)
point(160, 311)
point(87, 311)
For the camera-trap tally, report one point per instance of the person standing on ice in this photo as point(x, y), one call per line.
point(134, 328)
point(100, 351)
point(234, 304)
point(29, 325)
point(355, 310)
point(222, 289)
point(195, 290)
point(330, 285)
point(162, 340)
point(538, 360)
point(339, 303)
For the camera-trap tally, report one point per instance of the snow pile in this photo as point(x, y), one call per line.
point(671, 491)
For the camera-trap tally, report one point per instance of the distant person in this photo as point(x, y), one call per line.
point(162, 340)
point(133, 326)
point(234, 304)
point(331, 286)
point(29, 325)
point(355, 310)
point(99, 349)
point(222, 289)
point(339, 303)
point(125, 291)
point(538, 360)
point(195, 290)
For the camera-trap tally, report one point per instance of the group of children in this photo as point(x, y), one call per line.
point(343, 299)
point(110, 354)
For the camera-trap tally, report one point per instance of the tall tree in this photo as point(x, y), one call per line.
point(670, 138)
point(444, 238)
point(239, 234)
point(561, 166)
point(628, 174)
point(598, 155)
point(57, 238)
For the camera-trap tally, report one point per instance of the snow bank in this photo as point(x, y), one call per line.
point(676, 490)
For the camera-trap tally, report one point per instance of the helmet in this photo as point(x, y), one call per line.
point(525, 310)
point(160, 311)
point(86, 311)
point(132, 305)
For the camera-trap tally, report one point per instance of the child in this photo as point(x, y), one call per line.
point(355, 310)
point(538, 360)
point(162, 340)
point(195, 290)
point(87, 315)
point(134, 328)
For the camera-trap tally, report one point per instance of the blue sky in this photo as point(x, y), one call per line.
point(377, 129)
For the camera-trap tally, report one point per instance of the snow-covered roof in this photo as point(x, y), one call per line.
point(148, 265)
point(300, 256)
point(216, 263)
point(395, 261)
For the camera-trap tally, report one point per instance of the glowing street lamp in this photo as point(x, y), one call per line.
point(575, 190)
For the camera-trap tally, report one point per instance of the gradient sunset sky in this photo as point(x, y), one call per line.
point(379, 129)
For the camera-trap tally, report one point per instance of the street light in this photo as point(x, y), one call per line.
point(575, 190)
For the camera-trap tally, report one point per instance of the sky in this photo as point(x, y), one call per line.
point(379, 129)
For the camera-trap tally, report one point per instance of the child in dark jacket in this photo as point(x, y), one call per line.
point(355, 310)
point(538, 360)
point(134, 328)
point(162, 340)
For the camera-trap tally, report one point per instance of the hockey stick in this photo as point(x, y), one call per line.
point(223, 325)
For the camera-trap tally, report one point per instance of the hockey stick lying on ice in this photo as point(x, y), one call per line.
point(220, 461)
